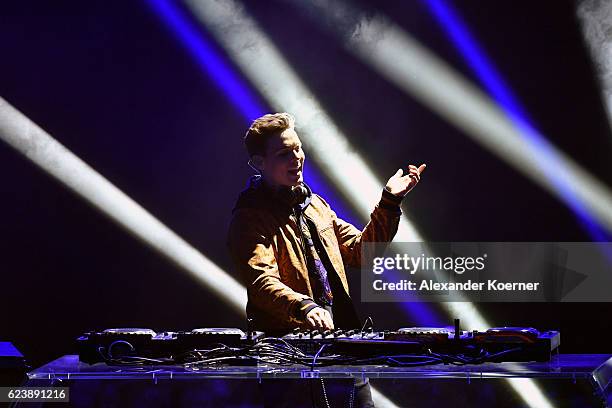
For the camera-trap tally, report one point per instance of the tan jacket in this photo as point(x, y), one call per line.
point(264, 243)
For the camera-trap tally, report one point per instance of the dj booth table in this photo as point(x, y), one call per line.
point(566, 380)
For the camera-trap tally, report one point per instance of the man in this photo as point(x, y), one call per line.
point(288, 245)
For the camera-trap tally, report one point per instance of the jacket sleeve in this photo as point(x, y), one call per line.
point(381, 227)
point(253, 254)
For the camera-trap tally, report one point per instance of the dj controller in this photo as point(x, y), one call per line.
point(231, 345)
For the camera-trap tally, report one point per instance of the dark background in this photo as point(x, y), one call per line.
point(110, 82)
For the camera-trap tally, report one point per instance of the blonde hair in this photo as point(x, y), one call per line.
point(262, 128)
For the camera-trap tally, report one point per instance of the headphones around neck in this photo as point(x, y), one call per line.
point(293, 196)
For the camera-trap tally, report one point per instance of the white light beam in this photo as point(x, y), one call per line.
point(55, 159)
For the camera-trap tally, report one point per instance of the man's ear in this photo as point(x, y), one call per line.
point(257, 162)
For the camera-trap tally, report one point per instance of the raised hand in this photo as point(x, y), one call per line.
point(400, 184)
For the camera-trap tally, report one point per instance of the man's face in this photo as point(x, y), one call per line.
point(283, 163)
